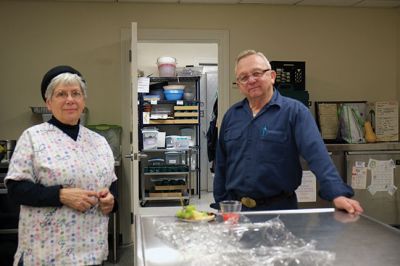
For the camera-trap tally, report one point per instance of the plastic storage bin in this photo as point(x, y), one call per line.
point(175, 157)
point(177, 142)
point(166, 66)
point(112, 133)
point(150, 139)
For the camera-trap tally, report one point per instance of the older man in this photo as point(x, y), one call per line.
point(261, 139)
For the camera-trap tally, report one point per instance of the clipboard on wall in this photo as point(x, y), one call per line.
point(328, 119)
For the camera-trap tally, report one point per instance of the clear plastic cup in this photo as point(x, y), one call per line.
point(230, 210)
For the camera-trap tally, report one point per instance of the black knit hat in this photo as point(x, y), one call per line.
point(54, 72)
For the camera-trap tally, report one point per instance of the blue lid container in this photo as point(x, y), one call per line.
point(173, 95)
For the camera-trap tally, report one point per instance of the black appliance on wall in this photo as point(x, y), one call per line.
point(291, 79)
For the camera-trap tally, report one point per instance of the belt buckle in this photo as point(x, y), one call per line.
point(248, 202)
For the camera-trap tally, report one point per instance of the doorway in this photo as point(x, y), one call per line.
point(220, 38)
point(203, 57)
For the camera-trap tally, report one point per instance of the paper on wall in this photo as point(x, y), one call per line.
point(307, 191)
point(143, 85)
point(382, 175)
point(359, 177)
point(328, 119)
point(387, 121)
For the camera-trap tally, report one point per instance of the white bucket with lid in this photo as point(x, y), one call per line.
point(166, 66)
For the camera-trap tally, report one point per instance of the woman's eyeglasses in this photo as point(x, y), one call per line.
point(255, 74)
point(63, 95)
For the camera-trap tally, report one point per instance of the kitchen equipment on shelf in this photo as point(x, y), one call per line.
point(175, 157)
point(149, 138)
point(189, 71)
point(189, 132)
point(3, 149)
point(174, 87)
point(188, 96)
point(161, 111)
point(173, 92)
point(152, 97)
point(166, 66)
point(167, 168)
point(10, 147)
point(173, 95)
point(156, 162)
point(7, 149)
point(161, 139)
point(177, 142)
point(157, 89)
point(147, 107)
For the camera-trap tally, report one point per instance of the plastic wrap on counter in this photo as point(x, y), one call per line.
point(243, 244)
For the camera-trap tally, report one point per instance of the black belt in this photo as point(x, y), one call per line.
point(252, 203)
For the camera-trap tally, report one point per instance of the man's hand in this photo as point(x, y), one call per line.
point(345, 217)
point(78, 199)
point(349, 205)
point(106, 201)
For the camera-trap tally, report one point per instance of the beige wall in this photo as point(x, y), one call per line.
point(350, 53)
point(184, 53)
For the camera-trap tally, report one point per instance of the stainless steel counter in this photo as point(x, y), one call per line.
point(355, 241)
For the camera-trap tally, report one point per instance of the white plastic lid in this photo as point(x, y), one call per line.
point(166, 60)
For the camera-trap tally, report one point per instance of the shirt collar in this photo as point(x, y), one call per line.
point(275, 100)
point(71, 130)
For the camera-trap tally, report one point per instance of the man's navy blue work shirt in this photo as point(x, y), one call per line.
point(259, 157)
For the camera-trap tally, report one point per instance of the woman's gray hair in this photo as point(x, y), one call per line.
point(66, 79)
point(247, 53)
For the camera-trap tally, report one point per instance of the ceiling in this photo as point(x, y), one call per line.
point(331, 3)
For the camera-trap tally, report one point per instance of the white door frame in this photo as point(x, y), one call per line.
point(221, 37)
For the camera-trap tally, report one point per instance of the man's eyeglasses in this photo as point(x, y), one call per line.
point(76, 95)
point(255, 74)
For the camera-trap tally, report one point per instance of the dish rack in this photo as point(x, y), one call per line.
point(46, 114)
point(40, 110)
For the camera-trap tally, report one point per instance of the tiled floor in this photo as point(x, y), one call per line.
point(125, 255)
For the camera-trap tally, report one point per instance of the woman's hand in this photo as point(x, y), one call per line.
point(106, 201)
point(78, 199)
point(349, 205)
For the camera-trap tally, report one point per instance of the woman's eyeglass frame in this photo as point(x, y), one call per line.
point(63, 95)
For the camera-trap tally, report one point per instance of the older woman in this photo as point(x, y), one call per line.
point(61, 173)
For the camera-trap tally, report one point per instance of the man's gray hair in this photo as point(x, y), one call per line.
point(247, 53)
point(65, 79)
